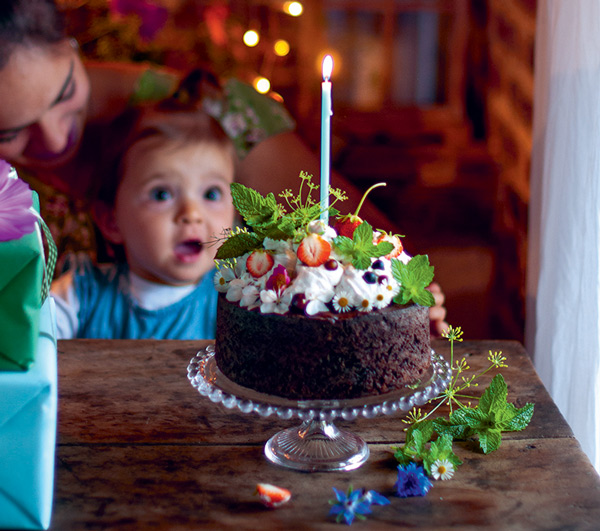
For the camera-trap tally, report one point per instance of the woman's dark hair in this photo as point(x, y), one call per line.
point(28, 23)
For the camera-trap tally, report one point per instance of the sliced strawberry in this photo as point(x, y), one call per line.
point(313, 250)
point(394, 239)
point(346, 225)
point(272, 496)
point(259, 263)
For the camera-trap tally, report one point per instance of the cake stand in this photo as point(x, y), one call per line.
point(317, 444)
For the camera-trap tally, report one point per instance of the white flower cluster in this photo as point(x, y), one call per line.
point(335, 285)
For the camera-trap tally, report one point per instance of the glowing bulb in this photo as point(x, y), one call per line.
point(262, 85)
point(293, 8)
point(281, 47)
point(251, 38)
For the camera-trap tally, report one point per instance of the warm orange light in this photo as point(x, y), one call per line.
point(281, 47)
point(251, 38)
point(294, 9)
point(262, 84)
point(336, 59)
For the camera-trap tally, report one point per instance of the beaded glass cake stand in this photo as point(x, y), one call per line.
point(317, 444)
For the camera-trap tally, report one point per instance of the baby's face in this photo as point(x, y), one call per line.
point(173, 202)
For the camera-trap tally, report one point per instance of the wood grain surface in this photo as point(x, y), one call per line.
point(139, 448)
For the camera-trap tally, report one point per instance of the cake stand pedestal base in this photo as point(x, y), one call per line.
point(317, 446)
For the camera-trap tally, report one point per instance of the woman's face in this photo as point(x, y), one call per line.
point(44, 92)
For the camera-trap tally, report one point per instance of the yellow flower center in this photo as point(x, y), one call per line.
point(222, 281)
point(379, 297)
point(442, 470)
point(365, 303)
point(343, 302)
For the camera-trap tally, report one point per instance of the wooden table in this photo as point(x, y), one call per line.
point(139, 448)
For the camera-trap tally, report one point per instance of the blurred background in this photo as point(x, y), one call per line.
point(434, 97)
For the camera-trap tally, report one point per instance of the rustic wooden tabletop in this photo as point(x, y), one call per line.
point(139, 448)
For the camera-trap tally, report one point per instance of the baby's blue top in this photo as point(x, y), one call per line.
point(107, 310)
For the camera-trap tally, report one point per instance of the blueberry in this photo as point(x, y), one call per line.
point(369, 277)
point(382, 278)
point(377, 264)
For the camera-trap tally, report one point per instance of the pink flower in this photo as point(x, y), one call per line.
point(279, 280)
point(16, 216)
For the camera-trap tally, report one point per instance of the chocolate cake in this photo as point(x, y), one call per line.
point(330, 356)
point(311, 311)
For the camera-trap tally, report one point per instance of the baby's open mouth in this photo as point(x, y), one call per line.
point(189, 248)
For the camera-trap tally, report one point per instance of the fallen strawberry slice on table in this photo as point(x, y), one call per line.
point(313, 250)
point(272, 496)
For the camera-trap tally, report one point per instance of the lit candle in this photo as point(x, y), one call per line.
point(326, 112)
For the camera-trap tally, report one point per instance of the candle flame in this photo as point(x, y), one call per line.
point(327, 67)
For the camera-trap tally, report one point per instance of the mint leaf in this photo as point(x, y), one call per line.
point(237, 245)
point(440, 449)
point(257, 211)
point(413, 278)
point(360, 249)
point(521, 418)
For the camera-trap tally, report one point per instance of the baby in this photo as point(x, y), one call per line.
point(164, 199)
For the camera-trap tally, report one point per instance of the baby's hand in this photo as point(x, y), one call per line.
point(437, 313)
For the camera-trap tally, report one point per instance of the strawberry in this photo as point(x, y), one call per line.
point(272, 496)
point(394, 239)
point(346, 225)
point(313, 250)
point(258, 263)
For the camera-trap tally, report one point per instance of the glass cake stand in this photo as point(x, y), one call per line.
point(317, 444)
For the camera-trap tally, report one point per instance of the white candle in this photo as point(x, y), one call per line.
point(326, 112)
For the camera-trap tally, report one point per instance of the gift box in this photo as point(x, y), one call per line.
point(28, 407)
point(23, 275)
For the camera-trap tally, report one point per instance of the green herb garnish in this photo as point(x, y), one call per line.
point(413, 278)
point(360, 248)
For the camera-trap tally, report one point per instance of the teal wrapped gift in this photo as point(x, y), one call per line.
point(28, 404)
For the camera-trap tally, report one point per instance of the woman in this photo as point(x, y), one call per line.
point(52, 107)
point(49, 99)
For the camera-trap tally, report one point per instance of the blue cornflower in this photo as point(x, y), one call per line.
point(412, 481)
point(350, 504)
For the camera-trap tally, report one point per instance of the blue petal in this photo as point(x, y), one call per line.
point(375, 498)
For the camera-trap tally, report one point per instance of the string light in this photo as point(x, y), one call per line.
point(262, 84)
point(294, 9)
point(281, 48)
point(251, 38)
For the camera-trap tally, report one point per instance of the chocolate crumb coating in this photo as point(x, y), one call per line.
point(327, 356)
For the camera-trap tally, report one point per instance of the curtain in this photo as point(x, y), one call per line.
point(563, 280)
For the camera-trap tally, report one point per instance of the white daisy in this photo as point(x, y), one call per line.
point(391, 287)
point(442, 469)
point(365, 304)
point(222, 278)
point(382, 298)
point(342, 302)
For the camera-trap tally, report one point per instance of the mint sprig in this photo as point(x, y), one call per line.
point(413, 278)
point(360, 248)
point(419, 447)
point(493, 416)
